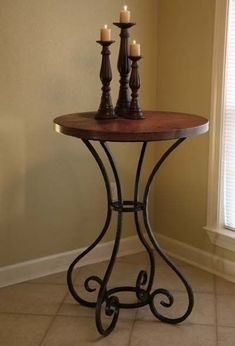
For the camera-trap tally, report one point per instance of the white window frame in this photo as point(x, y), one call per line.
point(218, 235)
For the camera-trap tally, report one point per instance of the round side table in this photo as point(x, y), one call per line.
point(156, 126)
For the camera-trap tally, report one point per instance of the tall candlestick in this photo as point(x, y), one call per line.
point(125, 15)
point(105, 110)
point(135, 110)
point(134, 49)
point(105, 33)
point(123, 102)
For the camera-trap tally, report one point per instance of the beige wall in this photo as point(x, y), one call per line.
point(49, 65)
point(51, 194)
point(185, 38)
point(184, 67)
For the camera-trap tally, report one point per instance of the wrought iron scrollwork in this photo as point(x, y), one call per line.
point(107, 300)
point(142, 279)
point(112, 309)
point(93, 278)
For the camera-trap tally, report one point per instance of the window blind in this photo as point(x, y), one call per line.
point(229, 125)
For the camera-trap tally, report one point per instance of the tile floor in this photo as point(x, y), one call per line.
point(42, 313)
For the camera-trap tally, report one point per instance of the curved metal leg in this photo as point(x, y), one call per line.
point(112, 302)
point(154, 242)
point(99, 238)
point(142, 278)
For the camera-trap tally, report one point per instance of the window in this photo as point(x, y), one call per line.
point(229, 125)
point(221, 183)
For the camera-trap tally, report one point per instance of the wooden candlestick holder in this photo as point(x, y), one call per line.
point(105, 110)
point(123, 102)
point(135, 111)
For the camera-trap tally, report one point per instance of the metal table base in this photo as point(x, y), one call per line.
point(144, 290)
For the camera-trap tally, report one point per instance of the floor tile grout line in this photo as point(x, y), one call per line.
point(34, 284)
point(43, 283)
point(185, 323)
point(123, 319)
point(92, 317)
point(26, 314)
point(53, 319)
point(47, 330)
point(131, 333)
point(176, 290)
point(132, 329)
point(226, 326)
point(216, 318)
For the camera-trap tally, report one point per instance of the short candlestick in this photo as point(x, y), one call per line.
point(105, 110)
point(123, 102)
point(135, 111)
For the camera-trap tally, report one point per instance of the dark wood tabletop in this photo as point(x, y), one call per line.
point(155, 127)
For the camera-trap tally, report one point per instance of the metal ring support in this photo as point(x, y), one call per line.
point(144, 281)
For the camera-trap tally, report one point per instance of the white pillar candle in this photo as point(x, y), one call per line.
point(105, 33)
point(125, 15)
point(134, 49)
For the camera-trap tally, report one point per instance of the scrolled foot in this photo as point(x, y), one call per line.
point(111, 310)
point(167, 304)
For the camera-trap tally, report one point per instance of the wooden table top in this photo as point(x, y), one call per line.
point(155, 127)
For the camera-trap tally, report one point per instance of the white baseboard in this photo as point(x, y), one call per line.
point(20, 272)
point(29, 270)
point(198, 258)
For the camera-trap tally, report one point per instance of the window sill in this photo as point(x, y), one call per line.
point(221, 237)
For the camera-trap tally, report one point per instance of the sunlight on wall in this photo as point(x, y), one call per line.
point(52, 196)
